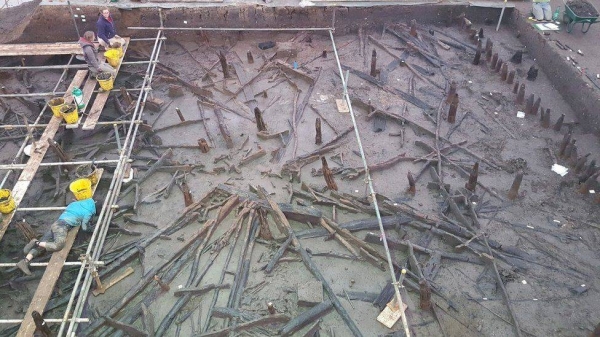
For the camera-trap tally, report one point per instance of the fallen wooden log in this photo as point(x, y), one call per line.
point(197, 291)
point(308, 316)
point(358, 225)
point(128, 329)
point(223, 312)
point(223, 127)
point(278, 254)
point(272, 319)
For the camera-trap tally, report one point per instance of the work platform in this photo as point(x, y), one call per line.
point(88, 120)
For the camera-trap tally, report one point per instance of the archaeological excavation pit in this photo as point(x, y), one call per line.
point(287, 170)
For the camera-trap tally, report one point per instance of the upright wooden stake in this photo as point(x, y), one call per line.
point(318, 135)
point(511, 77)
point(374, 63)
point(494, 61)
point(536, 106)
point(188, 199)
point(181, 118)
point(513, 193)
point(250, 57)
point(477, 58)
point(546, 119)
point(224, 65)
point(413, 28)
point(559, 122)
point(412, 187)
point(521, 94)
point(563, 144)
point(328, 175)
point(260, 123)
point(498, 65)
point(203, 144)
point(529, 104)
point(452, 109)
point(424, 295)
point(472, 183)
point(451, 92)
point(504, 72)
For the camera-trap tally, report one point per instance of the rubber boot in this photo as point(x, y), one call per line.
point(24, 266)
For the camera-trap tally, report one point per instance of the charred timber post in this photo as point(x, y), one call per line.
point(569, 149)
point(546, 119)
point(374, 64)
point(260, 123)
point(163, 286)
point(41, 325)
point(516, 87)
point(451, 92)
point(589, 183)
point(181, 118)
point(224, 65)
point(573, 157)
point(489, 45)
point(477, 58)
point(529, 104)
point(328, 175)
point(563, 144)
point(581, 163)
point(488, 53)
point(472, 183)
point(498, 65)
point(188, 199)
point(413, 28)
point(521, 94)
point(452, 109)
point(424, 295)
point(559, 122)
point(203, 145)
point(504, 72)
point(250, 57)
point(511, 77)
point(412, 187)
point(514, 189)
point(536, 106)
point(318, 135)
point(494, 61)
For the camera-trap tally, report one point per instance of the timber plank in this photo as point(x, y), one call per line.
point(34, 161)
point(100, 101)
point(58, 48)
point(48, 281)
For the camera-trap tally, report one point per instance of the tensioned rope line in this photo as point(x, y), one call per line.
point(369, 181)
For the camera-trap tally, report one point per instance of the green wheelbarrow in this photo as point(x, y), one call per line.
point(570, 18)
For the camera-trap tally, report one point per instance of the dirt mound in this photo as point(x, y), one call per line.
point(582, 8)
point(14, 20)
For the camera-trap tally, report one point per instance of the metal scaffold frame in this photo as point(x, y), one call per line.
point(73, 311)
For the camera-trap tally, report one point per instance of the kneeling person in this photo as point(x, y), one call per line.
point(90, 54)
point(78, 213)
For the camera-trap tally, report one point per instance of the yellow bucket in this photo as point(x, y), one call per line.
point(69, 113)
point(7, 203)
point(55, 104)
point(88, 172)
point(106, 81)
point(113, 56)
point(82, 188)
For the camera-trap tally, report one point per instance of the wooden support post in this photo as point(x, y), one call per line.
point(494, 61)
point(413, 28)
point(181, 118)
point(100, 289)
point(451, 92)
point(165, 287)
point(581, 163)
point(374, 64)
point(511, 77)
point(472, 183)
point(425, 295)
point(188, 199)
point(569, 149)
point(318, 135)
point(477, 58)
point(559, 122)
point(126, 96)
point(260, 123)
point(26, 230)
point(452, 109)
point(516, 87)
point(513, 193)
point(224, 129)
point(536, 106)
point(250, 57)
point(504, 72)
point(328, 174)
point(224, 64)
point(412, 189)
point(498, 65)
point(41, 325)
point(563, 144)
point(529, 104)
point(488, 54)
point(521, 94)
point(203, 144)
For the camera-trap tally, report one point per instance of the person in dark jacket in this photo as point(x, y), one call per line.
point(90, 54)
point(78, 213)
point(107, 33)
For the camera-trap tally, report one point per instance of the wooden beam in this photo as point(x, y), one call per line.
point(37, 156)
point(48, 281)
point(100, 101)
point(58, 48)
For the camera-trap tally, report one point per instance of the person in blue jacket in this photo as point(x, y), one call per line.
point(107, 33)
point(77, 213)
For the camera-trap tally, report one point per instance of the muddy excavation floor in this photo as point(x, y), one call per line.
point(544, 242)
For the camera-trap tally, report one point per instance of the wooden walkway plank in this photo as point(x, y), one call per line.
point(48, 281)
point(58, 48)
point(37, 156)
point(100, 101)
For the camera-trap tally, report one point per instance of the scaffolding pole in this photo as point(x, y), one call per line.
point(81, 288)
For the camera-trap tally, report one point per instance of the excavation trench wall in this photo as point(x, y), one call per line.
point(583, 99)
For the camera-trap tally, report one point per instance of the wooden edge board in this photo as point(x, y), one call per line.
point(48, 281)
point(100, 101)
point(20, 188)
point(24, 49)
